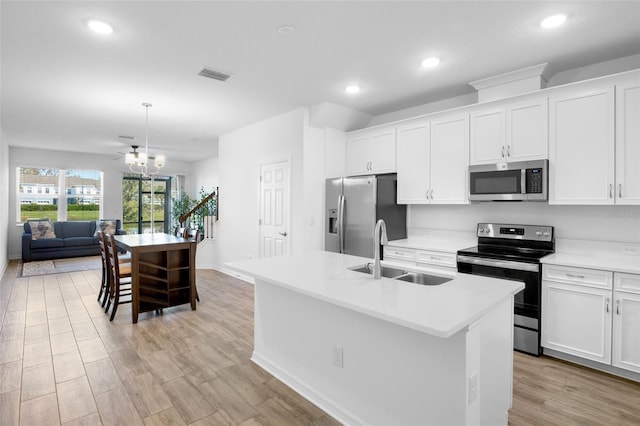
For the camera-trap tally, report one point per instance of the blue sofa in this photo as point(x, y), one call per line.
point(72, 239)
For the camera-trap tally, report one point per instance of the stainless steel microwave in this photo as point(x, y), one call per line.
point(517, 181)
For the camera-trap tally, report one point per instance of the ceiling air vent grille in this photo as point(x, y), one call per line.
point(214, 74)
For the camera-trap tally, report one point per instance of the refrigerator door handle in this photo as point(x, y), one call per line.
point(340, 223)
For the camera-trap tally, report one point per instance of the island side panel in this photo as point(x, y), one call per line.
point(390, 374)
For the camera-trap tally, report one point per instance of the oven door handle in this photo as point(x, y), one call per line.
point(504, 264)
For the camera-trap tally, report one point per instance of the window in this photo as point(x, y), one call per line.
point(83, 194)
point(58, 194)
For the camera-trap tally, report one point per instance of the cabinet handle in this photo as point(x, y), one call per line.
point(610, 191)
point(618, 307)
point(575, 276)
point(432, 194)
point(607, 304)
point(508, 150)
point(620, 190)
point(503, 151)
point(434, 258)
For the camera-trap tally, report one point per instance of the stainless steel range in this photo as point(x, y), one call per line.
point(513, 252)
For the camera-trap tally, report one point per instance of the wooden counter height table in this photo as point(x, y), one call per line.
point(162, 271)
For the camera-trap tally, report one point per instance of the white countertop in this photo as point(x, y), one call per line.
point(441, 310)
point(596, 255)
point(437, 244)
point(611, 262)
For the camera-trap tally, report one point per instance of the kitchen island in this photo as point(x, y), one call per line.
point(382, 352)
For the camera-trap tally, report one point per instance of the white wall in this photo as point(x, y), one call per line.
point(113, 171)
point(598, 223)
point(240, 155)
point(203, 173)
point(241, 152)
point(4, 203)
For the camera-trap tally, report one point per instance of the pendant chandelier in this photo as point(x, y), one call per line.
point(138, 162)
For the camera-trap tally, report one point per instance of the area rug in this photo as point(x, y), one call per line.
point(58, 266)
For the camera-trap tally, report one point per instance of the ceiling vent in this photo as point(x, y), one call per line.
point(214, 74)
point(131, 138)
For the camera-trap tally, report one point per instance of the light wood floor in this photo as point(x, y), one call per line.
point(62, 362)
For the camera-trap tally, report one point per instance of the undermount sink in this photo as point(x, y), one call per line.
point(385, 270)
point(399, 274)
point(424, 279)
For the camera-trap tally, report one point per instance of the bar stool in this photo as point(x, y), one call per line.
point(120, 274)
point(106, 276)
point(195, 236)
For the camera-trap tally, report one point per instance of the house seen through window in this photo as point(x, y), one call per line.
point(58, 194)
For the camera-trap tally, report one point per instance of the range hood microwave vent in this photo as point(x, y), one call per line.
point(214, 74)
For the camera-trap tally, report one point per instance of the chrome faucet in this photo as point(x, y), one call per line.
point(379, 238)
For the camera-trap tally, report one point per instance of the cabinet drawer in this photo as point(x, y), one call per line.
point(581, 276)
point(436, 258)
point(626, 282)
point(399, 253)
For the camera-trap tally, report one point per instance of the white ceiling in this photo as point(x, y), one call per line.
point(64, 87)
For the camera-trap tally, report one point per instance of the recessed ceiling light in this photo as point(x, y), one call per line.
point(430, 62)
point(553, 21)
point(287, 30)
point(100, 27)
point(352, 89)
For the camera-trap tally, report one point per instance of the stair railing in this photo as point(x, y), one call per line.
point(204, 215)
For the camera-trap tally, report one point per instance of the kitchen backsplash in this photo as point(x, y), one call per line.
point(596, 223)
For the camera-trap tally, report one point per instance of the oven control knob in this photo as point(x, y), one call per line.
point(546, 234)
point(538, 233)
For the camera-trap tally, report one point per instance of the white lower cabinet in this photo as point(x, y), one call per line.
point(435, 260)
point(626, 322)
point(577, 320)
point(586, 315)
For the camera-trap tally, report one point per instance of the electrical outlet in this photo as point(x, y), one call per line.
point(338, 356)
point(631, 249)
point(473, 388)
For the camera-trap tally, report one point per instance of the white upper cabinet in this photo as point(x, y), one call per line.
point(515, 132)
point(488, 136)
point(432, 161)
point(371, 151)
point(449, 160)
point(581, 147)
point(413, 163)
point(527, 131)
point(627, 189)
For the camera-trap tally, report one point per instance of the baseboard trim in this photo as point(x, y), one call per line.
point(320, 400)
point(610, 369)
point(235, 274)
point(3, 268)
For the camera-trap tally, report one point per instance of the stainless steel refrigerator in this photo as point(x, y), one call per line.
point(354, 205)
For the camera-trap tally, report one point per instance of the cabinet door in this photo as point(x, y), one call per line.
point(413, 164)
point(628, 143)
point(626, 331)
point(449, 164)
point(581, 148)
point(487, 137)
point(382, 151)
point(577, 320)
point(527, 135)
point(358, 160)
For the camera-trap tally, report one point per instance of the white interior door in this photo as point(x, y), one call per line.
point(274, 209)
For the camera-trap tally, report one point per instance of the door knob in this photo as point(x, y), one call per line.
point(284, 234)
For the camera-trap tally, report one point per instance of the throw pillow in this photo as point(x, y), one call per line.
point(41, 229)
point(108, 227)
